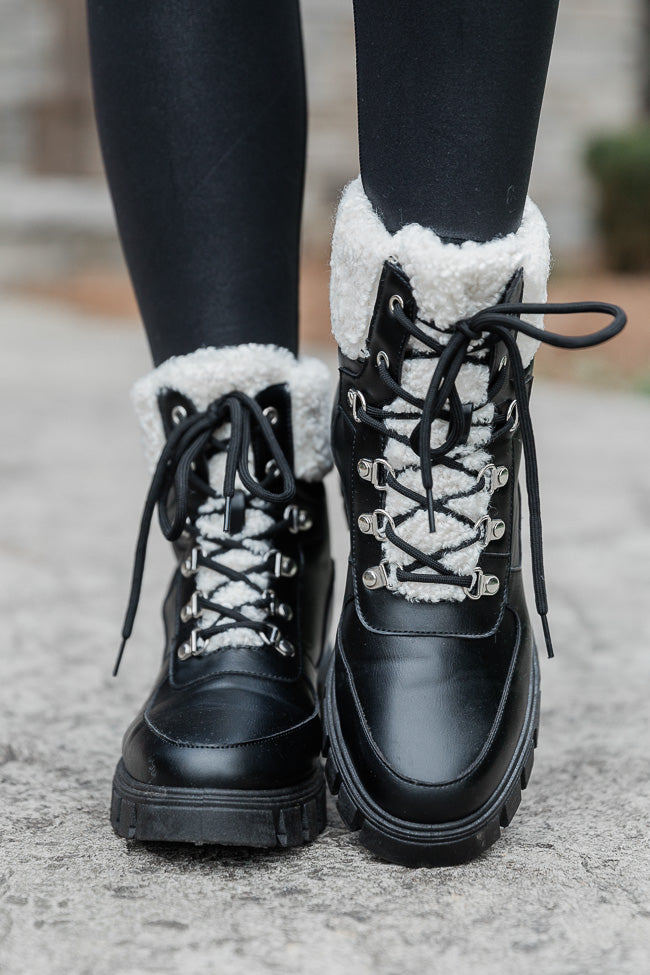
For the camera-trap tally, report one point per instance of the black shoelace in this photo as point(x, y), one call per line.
point(176, 476)
point(468, 341)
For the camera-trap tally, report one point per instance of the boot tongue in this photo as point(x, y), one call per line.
point(514, 290)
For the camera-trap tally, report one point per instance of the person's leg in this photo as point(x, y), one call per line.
point(201, 110)
point(201, 113)
point(449, 94)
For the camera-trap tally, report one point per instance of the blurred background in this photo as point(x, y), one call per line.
point(591, 176)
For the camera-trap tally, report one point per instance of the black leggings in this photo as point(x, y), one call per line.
point(201, 113)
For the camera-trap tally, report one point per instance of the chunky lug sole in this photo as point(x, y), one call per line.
point(419, 844)
point(228, 817)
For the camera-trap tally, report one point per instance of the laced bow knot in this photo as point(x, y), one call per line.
point(175, 475)
point(501, 322)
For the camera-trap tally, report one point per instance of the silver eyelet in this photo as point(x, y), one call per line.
point(495, 529)
point(376, 577)
point(503, 363)
point(354, 399)
point(271, 414)
point(370, 523)
point(191, 610)
point(178, 414)
point(285, 648)
point(393, 302)
point(481, 585)
point(282, 610)
point(283, 566)
point(276, 640)
point(513, 411)
point(192, 647)
point(368, 470)
point(382, 357)
point(190, 565)
point(300, 519)
point(494, 477)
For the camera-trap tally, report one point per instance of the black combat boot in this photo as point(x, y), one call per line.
point(431, 703)
point(226, 748)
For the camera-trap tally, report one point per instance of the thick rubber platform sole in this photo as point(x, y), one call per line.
point(418, 844)
point(273, 818)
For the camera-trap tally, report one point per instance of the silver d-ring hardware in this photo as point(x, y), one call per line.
point(354, 399)
point(494, 477)
point(494, 529)
point(271, 415)
point(364, 522)
point(393, 302)
point(481, 585)
point(382, 357)
point(192, 647)
point(503, 363)
point(190, 565)
point(370, 523)
point(191, 610)
point(513, 410)
point(378, 530)
point(300, 519)
point(283, 566)
point(178, 414)
point(276, 608)
point(377, 577)
point(276, 640)
point(368, 470)
point(285, 648)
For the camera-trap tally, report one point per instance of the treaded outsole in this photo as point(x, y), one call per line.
point(444, 845)
point(265, 819)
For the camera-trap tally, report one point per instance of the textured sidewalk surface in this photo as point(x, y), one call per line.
point(567, 889)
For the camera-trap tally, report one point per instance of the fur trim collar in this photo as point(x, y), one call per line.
point(207, 374)
point(449, 281)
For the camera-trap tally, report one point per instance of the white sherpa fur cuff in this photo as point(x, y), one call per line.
point(449, 281)
point(205, 375)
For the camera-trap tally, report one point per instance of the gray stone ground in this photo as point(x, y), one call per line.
point(567, 888)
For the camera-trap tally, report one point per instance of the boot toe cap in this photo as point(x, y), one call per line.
point(222, 737)
point(434, 750)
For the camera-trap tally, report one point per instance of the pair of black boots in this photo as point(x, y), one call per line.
point(430, 696)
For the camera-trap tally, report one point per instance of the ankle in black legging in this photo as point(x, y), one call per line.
point(201, 113)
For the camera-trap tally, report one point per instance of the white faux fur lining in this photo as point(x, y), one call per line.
point(205, 375)
point(251, 552)
point(472, 385)
point(450, 281)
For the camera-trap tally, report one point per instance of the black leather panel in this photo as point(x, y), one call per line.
point(431, 698)
point(242, 717)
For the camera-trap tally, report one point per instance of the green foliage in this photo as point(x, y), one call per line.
point(620, 165)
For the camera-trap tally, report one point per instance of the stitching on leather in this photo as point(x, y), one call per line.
point(239, 744)
point(416, 782)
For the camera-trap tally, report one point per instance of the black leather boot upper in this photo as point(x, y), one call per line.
point(431, 697)
point(432, 705)
point(242, 715)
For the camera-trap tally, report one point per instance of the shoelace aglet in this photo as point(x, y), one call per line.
point(227, 514)
point(547, 636)
point(120, 653)
point(431, 510)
